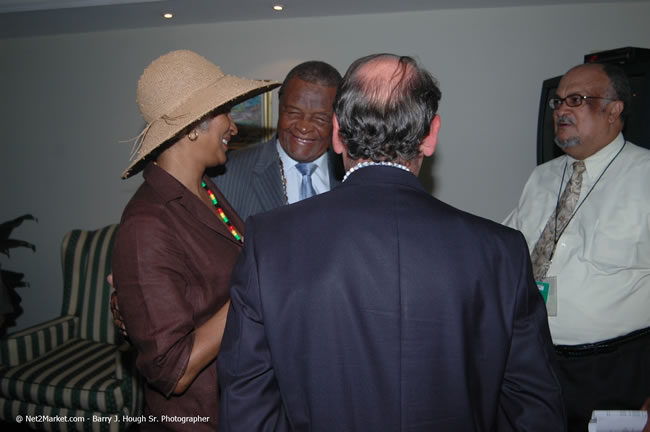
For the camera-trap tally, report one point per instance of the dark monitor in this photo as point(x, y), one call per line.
point(637, 126)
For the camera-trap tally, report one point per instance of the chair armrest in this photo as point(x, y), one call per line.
point(125, 361)
point(25, 345)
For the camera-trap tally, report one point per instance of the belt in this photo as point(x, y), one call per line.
point(605, 346)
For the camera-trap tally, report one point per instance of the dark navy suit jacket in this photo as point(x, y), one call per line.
point(251, 179)
point(376, 307)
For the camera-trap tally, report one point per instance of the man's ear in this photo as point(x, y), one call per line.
point(428, 145)
point(337, 143)
point(614, 110)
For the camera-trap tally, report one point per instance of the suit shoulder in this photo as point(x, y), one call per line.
point(241, 161)
point(144, 207)
point(249, 152)
point(475, 225)
point(487, 224)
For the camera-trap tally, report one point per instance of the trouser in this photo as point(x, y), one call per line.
point(610, 375)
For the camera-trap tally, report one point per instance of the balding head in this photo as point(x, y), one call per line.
point(385, 107)
point(383, 79)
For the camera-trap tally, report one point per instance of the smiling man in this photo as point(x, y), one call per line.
point(296, 164)
point(586, 218)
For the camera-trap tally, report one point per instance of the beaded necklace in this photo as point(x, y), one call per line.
point(222, 215)
point(220, 212)
point(284, 179)
point(369, 163)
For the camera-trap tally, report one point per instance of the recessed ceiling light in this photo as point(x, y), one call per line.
point(168, 15)
point(278, 7)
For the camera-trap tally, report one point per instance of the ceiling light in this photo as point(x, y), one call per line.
point(168, 15)
point(278, 7)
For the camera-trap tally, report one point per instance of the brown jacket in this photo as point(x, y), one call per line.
point(172, 262)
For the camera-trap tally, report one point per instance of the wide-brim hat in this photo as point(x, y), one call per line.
point(179, 88)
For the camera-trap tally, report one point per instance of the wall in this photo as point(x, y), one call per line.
point(68, 101)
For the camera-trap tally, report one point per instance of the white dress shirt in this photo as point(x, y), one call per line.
point(320, 178)
point(602, 260)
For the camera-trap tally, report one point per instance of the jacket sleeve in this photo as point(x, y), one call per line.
point(250, 396)
point(531, 398)
point(148, 273)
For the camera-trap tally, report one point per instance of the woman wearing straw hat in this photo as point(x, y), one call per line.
point(179, 238)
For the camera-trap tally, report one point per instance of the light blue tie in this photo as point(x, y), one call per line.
point(306, 188)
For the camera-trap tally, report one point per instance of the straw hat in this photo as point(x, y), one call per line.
point(179, 88)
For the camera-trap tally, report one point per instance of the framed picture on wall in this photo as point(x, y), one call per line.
point(253, 119)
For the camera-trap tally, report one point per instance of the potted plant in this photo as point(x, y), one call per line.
point(9, 299)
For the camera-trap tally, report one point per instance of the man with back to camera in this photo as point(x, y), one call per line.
point(376, 307)
point(592, 254)
point(264, 176)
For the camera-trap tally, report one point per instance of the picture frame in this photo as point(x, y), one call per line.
point(253, 120)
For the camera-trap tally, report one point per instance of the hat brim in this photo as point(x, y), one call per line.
point(226, 90)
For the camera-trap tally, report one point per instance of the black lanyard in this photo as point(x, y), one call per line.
point(557, 236)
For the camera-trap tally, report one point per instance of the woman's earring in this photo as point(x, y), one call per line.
point(193, 135)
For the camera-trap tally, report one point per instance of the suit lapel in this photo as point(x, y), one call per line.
point(267, 178)
point(266, 181)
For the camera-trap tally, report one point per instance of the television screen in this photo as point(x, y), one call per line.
point(637, 126)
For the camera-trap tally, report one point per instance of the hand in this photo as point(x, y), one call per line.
point(115, 309)
point(646, 407)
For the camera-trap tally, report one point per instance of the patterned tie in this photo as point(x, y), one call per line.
point(306, 188)
point(541, 256)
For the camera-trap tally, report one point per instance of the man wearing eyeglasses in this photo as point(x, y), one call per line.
point(586, 219)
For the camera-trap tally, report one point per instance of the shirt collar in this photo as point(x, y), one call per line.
point(596, 163)
point(289, 163)
point(167, 186)
point(164, 183)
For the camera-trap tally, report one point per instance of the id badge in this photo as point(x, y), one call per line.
point(548, 289)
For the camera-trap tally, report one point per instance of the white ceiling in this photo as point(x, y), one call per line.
point(44, 17)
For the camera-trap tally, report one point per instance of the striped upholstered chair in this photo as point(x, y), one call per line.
point(75, 365)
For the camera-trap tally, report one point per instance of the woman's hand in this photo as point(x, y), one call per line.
point(118, 321)
point(646, 407)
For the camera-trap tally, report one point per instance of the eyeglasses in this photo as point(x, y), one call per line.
point(573, 100)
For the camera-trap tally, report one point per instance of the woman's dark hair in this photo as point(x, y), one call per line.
point(201, 124)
